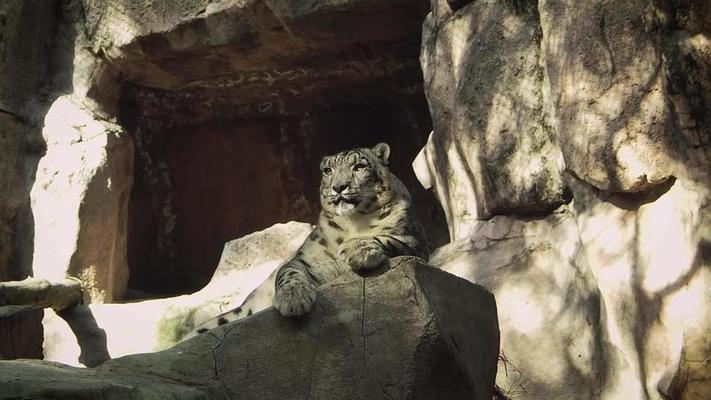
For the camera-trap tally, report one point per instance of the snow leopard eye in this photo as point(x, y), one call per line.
point(327, 171)
point(359, 167)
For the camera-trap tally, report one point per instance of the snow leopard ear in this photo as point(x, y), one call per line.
point(382, 151)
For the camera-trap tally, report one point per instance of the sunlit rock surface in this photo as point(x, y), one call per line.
point(651, 255)
point(413, 332)
point(629, 85)
point(91, 334)
point(621, 91)
point(493, 138)
point(547, 301)
point(80, 201)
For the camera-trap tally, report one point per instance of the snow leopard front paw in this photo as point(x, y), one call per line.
point(362, 254)
point(295, 297)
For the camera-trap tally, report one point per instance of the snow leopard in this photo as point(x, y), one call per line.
point(365, 219)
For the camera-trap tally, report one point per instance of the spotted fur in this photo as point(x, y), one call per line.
point(365, 220)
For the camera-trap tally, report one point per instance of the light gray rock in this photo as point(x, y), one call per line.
point(493, 148)
point(620, 91)
point(547, 302)
point(80, 201)
point(413, 332)
point(628, 83)
point(650, 254)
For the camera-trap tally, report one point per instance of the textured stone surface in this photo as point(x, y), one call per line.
point(80, 200)
point(626, 81)
point(233, 45)
point(20, 332)
point(411, 333)
point(91, 334)
point(33, 70)
point(650, 256)
point(18, 146)
point(493, 147)
point(25, 67)
point(547, 302)
point(621, 91)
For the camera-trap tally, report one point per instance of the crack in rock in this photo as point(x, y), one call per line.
point(363, 338)
point(215, 367)
point(318, 345)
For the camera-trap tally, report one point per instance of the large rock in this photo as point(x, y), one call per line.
point(227, 45)
point(607, 102)
point(32, 71)
point(411, 333)
point(91, 334)
point(650, 254)
point(80, 201)
point(547, 302)
point(493, 150)
point(629, 85)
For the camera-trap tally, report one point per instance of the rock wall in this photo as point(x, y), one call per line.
point(30, 77)
point(79, 201)
point(603, 106)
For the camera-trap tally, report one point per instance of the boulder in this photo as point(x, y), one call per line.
point(547, 302)
point(650, 254)
point(412, 332)
point(93, 333)
point(609, 295)
point(625, 82)
point(493, 150)
point(80, 201)
point(602, 105)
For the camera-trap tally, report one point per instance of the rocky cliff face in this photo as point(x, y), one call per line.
point(603, 107)
point(33, 70)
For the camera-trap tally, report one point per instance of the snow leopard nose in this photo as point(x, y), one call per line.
point(340, 187)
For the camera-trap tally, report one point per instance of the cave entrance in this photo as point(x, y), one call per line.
point(221, 156)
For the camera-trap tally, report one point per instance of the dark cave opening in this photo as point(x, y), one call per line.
point(199, 184)
point(230, 113)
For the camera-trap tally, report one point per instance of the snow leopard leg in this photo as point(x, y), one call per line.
point(295, 288)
